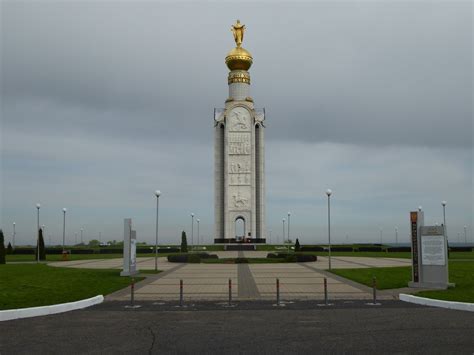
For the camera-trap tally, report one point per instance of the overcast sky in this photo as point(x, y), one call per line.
point(105, 102)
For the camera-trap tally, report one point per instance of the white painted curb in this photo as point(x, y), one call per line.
point(10, 314)
point(460, 306)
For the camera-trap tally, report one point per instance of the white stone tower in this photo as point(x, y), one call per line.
point(239, 155)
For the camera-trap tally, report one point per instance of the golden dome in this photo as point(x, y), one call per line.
point(238, 59)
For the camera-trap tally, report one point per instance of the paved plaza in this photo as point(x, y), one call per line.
point(304, 281)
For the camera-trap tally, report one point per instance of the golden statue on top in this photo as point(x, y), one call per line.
point(238, 31)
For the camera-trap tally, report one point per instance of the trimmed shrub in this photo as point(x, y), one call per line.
point(341, 249)
point(304, 258)
point(194, 258)
point(398, 249)
point(241, 261)
point(297, 245)
point(184, 243)
point(370, 249)
point(41, 253)
point(23, 251)
point(180, 258)
point(186, 258)
point(9, 249)
point(110, 251)
point(311, 248)
point(290, 258)
point(2, 248)
point(271, 255)
point(79, 251)
point(207, 256)
point(460, 249)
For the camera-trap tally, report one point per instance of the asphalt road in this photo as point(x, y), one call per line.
point(248, 327)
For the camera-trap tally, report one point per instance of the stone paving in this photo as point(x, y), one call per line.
point(249, 281)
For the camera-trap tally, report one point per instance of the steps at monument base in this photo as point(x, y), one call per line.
point(232, 247)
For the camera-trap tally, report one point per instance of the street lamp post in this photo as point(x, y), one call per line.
point(82, 240)
point(198, 220)
point(443, 203)
point(283, 238)
point(38, 206)
point(328, 193)
point(14, 234)
point(157, 194)
point(64, 228)
point(43, 228)
point(192, 231)
point(288, 236)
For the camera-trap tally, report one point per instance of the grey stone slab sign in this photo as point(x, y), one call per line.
point(129, 249)
point(429, 254)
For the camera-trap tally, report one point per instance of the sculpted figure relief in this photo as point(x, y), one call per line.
point(240, 200)
point(238, 32)
point(239, 121)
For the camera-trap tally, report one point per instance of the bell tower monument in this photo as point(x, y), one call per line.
point(239, 155)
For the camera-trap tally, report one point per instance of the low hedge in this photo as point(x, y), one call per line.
point(350, 249)
point(369, 249)
point(311, 248)
point(303, 258)
point(398, 249)
point(193, 258)
point(241, 261)
point(293, 257)
point(460, 249)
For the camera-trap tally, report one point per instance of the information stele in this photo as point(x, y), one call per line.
point(129, 249)
point(429, 254)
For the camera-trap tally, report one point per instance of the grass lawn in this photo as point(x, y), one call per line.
point(30, 285)
point(460, 272)
point(57, 257)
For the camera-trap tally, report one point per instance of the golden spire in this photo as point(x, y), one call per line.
point(238, 58)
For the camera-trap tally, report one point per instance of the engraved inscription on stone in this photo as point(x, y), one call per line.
point(239, 119)
point(432, 250)
point(239, 143)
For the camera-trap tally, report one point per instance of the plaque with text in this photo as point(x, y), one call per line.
point(432, 250)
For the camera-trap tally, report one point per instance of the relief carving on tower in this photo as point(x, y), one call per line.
point(240, 197)
point(239, 120)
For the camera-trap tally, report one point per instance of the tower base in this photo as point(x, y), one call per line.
point(240, 241)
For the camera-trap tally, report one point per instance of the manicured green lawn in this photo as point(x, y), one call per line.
point(30, 285)
point(460, 272)
point(57, 257)
point(387, 277)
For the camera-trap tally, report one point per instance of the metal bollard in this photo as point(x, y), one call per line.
point(132, 293)
point(374, 289)
point(230, 292)
point(278, 291)
point(326, 291)
point(181, 293)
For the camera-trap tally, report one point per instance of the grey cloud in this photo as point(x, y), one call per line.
point(361, 73)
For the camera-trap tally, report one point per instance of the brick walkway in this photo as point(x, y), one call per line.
point(249, 281)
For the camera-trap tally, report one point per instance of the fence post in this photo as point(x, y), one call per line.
point(326, 291)
point(278, 291)
point(181, 293)
point(374, 289)
point(230, 292)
